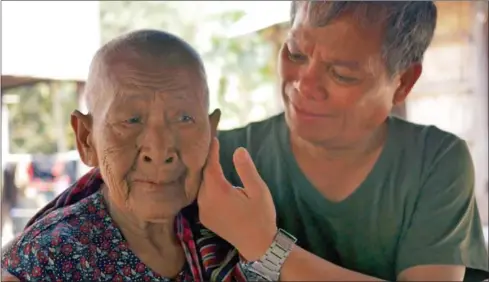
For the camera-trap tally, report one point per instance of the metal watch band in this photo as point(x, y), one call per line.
point(270, 264)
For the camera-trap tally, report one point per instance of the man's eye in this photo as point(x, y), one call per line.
point(344, 79)
point(186, 119)
point(133, 120)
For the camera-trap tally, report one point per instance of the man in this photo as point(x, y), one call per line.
point(368, 197)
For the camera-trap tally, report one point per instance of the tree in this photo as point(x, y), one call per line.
point(32, 122)
point(241, 71)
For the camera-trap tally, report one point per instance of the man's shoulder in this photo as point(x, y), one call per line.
point(427, 154)
point(428, 142)
point(444, 225)
point(253, 134)
point(259, 138)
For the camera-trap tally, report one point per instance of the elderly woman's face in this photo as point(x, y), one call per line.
point(151, 138)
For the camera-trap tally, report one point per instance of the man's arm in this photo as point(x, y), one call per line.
point(445, 235)
point(304, 266)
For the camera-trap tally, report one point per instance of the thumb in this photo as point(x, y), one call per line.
point(251, 179)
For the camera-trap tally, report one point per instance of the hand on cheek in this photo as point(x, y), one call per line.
point(245, 217)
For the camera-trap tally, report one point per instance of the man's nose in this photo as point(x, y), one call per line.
point(310, 83)
point(159, 148)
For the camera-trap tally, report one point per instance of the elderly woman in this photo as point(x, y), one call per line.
point(147, 135)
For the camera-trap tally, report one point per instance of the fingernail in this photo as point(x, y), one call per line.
point(242, 155)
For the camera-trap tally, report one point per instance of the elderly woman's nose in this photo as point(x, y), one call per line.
point(165, 157)
point(159, 148)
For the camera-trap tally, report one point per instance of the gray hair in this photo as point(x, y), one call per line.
point(409, 25)
point(154, 46)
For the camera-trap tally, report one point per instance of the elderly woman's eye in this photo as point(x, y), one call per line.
point(186, 119)
point(297, 57)
point(133, 120)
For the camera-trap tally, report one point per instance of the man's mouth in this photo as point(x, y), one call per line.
point(291, 96)
point(303, 112)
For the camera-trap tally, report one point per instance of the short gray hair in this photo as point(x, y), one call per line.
point(155, 44)
point(409, 25)
point(149, 44)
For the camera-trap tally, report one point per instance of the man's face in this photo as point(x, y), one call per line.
point(151, 136)
point(335, 85)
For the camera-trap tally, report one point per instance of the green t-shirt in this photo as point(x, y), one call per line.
point(416, 206)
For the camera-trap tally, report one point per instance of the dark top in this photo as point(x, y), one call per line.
point(416, 207)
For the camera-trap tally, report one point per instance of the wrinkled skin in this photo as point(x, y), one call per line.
point(150, 136)
point(149, 133)
point(336, 75)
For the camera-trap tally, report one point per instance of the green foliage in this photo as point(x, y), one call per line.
point(32, 119)
point(119, 17)
point(248, 60)
point(244, 65)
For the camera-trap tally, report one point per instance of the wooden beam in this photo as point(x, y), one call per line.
point(9, 82)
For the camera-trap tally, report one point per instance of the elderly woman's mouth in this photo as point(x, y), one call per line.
point(161, 183)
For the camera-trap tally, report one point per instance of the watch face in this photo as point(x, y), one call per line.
point(287, 234)
point(251, 273)
point(268, 267)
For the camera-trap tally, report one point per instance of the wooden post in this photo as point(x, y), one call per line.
point(481, 91)
point(82, 105)
point(58, 115)
point(276, 35)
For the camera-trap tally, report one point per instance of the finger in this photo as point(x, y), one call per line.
point(214, 119)
point(213, 174)
point(247, 172)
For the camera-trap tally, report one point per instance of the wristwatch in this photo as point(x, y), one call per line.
point(269, 265)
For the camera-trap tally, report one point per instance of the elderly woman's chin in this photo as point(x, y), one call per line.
point(158, 203)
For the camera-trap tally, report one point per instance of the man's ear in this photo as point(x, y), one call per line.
point(407, 80)
point(82, 126)
point(214, 119)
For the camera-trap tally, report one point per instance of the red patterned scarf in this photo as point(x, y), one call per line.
point(210, 257)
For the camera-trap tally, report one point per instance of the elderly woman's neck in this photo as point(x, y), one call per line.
point(153, 243)
point(160, 235)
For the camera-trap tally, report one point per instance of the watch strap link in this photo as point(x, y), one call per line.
point(270, 264)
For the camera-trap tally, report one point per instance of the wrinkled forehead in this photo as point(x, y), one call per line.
point(153, 77)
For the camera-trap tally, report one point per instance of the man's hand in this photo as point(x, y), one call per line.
point(245, 217)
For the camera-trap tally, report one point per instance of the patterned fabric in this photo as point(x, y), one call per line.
point(75, 238)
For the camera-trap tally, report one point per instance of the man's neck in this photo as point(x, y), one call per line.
point(344, 153)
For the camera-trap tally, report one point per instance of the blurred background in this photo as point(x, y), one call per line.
point(47, 47)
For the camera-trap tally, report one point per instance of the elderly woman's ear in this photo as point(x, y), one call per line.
point(82, 126)
point(214, 121)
